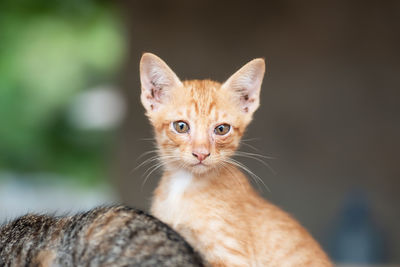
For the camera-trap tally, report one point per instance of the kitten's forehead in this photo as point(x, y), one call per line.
point(203, 95)
point(202, 90)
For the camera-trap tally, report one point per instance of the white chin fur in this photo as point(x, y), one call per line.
point(200, 169)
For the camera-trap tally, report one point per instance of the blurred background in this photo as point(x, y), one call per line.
point(72, 128)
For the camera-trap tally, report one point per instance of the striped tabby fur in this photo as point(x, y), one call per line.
point(104, 236)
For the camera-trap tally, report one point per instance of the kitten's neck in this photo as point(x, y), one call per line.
point(229, 177)
point(180, 190)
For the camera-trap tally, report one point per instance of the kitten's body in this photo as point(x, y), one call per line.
point(106, 236)
point(230, 224)
point(202, 194)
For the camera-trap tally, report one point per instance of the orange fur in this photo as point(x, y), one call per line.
point(209, 201)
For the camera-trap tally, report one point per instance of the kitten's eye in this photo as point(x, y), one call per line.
point(222, 129)
point(181, 126)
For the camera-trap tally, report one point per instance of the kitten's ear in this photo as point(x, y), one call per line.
point(156, 79)
point(246, 85)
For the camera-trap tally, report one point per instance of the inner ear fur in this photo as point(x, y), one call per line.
point(156, 80)
point(246, 85)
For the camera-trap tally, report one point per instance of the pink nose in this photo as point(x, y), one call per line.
point(200, 156)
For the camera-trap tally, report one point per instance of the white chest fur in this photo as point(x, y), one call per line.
point(180, 181)
point(171, 206)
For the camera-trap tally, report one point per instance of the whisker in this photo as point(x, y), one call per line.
point(147, 161)
point(246, 170)
point(151, 159)
point(252, 147)
point(147, 152)
point(157, 166)
point(162, 162)
point(251, 139)
point(255, 154)
point(250, 156)
point(223, 165)
point(252, 174)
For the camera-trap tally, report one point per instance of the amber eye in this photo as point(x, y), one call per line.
point(181, 126)
point(222, 129)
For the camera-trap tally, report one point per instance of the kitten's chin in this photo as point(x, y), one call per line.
point(200, 169)
point(196, 169)
point(203, 169)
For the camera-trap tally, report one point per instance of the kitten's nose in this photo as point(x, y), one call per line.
point(200, 156)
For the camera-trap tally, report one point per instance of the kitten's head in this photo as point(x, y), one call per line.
point(198, 123)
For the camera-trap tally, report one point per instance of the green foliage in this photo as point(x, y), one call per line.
point(49, 51)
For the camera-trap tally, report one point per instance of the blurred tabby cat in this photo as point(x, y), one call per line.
point(105, 236)
point(202, 194)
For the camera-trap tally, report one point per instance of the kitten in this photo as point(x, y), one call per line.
point(202, 194)
point(105, 236)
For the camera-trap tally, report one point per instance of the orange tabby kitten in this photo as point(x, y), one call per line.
point(202, 195)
